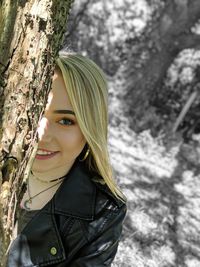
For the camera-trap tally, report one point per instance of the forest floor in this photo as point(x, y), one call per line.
point(161, 180)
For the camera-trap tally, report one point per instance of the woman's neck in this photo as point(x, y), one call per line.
point(52, 174)
point(39, 192)
point(39, 184)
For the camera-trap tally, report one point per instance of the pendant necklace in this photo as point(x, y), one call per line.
point(29, 200)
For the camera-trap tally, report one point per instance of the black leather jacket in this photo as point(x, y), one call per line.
point(79, 227)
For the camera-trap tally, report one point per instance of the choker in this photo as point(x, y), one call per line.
point(47, 182)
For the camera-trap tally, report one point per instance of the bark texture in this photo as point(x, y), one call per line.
point(31, 34)
point(170, 34)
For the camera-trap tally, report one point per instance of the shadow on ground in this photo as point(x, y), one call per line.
point(162, 227)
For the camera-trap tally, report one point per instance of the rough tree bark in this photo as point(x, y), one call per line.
point(31, 34)
point(170, 34)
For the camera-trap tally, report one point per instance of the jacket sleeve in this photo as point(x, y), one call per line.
point(101, 250)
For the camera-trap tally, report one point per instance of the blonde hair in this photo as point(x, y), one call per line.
point(87, 90)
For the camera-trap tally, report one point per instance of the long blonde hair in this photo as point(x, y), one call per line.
point(86, 86)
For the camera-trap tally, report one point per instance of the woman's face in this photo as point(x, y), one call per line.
point(59, 133)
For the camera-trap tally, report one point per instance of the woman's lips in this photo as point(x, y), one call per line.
point(44, 157)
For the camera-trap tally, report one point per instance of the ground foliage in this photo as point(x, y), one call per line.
point(163, 189)
point(157, 169)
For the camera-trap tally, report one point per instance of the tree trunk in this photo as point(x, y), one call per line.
point(31, 34)
point(170, 34)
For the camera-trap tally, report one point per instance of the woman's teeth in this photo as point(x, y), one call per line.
point(42, 152)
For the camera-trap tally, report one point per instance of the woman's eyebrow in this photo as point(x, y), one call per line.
point(64, 111)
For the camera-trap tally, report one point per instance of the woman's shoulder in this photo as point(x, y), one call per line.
point(109, 215)
point(106, 201)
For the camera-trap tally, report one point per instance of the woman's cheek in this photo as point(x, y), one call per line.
point(73, 138)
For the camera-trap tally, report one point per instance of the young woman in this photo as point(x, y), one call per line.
point(72, 212)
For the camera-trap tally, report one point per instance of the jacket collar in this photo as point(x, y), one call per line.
point(76, 196)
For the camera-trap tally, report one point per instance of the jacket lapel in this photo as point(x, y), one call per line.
point(76, 196)
point(42, 240)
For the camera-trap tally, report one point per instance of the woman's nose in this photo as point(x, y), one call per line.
point(44, 130)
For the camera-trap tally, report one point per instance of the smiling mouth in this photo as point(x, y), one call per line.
point(45, 155)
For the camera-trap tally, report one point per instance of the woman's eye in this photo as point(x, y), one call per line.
point(65, 121)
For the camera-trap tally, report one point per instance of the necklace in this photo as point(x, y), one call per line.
point(47, 182)
point(29, 200)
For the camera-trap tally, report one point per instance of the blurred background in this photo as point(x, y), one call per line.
point(150, 52)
